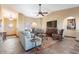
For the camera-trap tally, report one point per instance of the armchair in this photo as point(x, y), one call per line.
point(58, 36)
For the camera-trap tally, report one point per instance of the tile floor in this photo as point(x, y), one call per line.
point(67, 46)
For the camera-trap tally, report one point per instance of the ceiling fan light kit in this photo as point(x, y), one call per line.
point(40, 11)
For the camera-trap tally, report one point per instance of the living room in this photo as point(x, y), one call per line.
point(18, 24)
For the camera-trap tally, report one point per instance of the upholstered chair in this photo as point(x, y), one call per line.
point(58, 35)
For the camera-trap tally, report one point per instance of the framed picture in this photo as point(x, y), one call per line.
point(71, 24)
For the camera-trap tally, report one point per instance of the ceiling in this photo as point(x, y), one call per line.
point(32, 9)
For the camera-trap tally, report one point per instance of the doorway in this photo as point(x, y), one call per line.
point(10, 26)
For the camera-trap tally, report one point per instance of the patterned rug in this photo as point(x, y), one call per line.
point(47, 42)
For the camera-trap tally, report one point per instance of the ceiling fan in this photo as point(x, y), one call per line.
point(40, 11)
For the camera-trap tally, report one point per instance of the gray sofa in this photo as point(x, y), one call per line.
point(26, 38)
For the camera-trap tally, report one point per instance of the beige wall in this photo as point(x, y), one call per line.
point(61, 16)
point(10, 30)
point(4, 15)
point(23, 20)
point(0, 20)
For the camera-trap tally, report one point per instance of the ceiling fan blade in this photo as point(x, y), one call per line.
point(45, 12)
point(42, 14)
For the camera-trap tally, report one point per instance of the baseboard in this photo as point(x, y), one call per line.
point(12, 35)
point(70, 36)
point(77, 40)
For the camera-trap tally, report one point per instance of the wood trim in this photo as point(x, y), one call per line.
point(12, 35)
